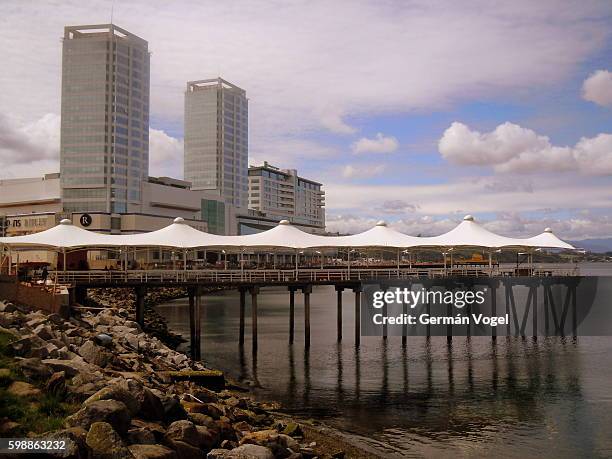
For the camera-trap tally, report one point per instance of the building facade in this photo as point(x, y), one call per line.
point(104, 148)
point(217, 139)
point(283, 194)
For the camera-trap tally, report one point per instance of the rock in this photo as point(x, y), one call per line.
point(7, 307)
point(185, 450)
point(141, 436)
point(156, 429)
point(103, 339)
point(56, 383)
point(112, 412)
point(173, 410)
point(70, 367)
point(94, 354)
point(152, 452)
point(278, 443)
point(23, 389)
point(151, 406)
point(75, 442)
point(5, 374)
point(116, 392)
point(250, 452)
point(293, 429)
point(35, 368)
point(217, 454)
point(44, 332)
point(105, 443)
point(201, 419)
point(9, 428)
point(184, 431)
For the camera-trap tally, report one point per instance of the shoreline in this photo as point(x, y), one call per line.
point(107, 373)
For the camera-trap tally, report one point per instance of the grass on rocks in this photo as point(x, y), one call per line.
point(42, 414)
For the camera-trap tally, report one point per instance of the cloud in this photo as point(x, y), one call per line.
point(473, 195)
point(22, 143)
point(512, 148)
point(379, 144)
point(597, 88)
point(396, 206)
point(362, 171)
point(301, 75)
point(165, 154)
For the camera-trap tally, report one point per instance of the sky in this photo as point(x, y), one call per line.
point(414, 112)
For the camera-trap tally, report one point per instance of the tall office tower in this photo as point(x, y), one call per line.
point(217, 139)
point(104, 149)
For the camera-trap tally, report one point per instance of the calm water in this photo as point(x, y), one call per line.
point(519, 398)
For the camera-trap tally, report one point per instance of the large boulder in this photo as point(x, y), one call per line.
point(152, 452)
point(184, 431)
point(173, 410)
point(75, 447)
point(105, 443)
point(35, 369)
point(56, 383)
point(94, 354)
point(281, 445)
point(112, 412)
point(116, 392)
point(250, 452)
point(185, 450)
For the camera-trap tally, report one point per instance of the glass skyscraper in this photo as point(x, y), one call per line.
point(216, 139)
point(104, 149)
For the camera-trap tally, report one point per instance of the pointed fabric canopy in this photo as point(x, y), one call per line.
point(379, 236)
point(63, 236)
point(182, 236)
point(176, 235)
point(470, 234)
point(548, 240)
point(283, 235)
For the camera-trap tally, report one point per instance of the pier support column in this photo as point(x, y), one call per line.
point(242, 306)
point(80, 295)
point(191, 292)
point(140, 292)
point(307, 291)
point(198, 323)
point(254, 291)
point(357, 291)
point(339, 291)
point(291, 314)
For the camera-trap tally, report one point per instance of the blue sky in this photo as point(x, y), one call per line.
point(414, 112)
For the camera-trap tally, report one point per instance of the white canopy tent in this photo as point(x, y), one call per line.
point(179, 235)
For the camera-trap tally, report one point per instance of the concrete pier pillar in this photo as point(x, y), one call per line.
point(242, 307)
point(357, 291)
point(254, 291)
point(535, 312)
point(140, 292)
point(291, 314)
point(80, 295)
point(339, 291)
point(198, 323)
point(307, 291)
point(493, 310)
point(192, 328)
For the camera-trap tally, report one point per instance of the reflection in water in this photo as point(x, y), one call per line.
point(472, 396)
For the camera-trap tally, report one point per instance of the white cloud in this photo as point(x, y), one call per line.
point(512, 148)
point(165, 154)
point(379, 144)
point(472, 195)
point(301, 74)
point(361, 171)
point(597, 88)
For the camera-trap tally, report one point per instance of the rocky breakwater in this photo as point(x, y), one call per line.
point(129, 395)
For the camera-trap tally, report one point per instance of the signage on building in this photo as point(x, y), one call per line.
point(85, 220)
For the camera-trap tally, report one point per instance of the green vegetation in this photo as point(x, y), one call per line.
point(43, 414)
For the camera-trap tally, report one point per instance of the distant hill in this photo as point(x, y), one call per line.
point(594, 245)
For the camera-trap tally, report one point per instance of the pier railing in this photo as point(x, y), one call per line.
point(271, 276)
